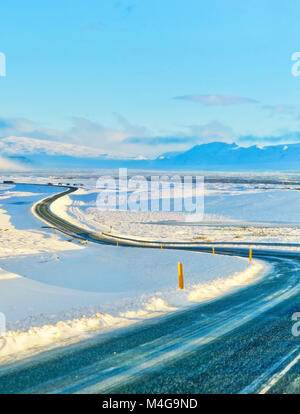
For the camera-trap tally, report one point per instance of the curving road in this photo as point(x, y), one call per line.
point(43, 210)
point(240, 343)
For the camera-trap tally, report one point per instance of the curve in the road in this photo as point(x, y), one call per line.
point(43, 210)
point(238, 343)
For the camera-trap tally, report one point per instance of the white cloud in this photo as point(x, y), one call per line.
point(184, 139)
point(94, 134)
point(82, 132)
point(212, 131)
point(25, 145)
point(86, 138)
point(8, 165)
point(282, 111)
point(211, 100)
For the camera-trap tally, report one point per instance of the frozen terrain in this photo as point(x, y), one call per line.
point(54, 290)
point(244, 212)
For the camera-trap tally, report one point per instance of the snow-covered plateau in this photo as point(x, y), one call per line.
point(55, 290)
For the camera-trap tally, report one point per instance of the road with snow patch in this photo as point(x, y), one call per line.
point(239, 343)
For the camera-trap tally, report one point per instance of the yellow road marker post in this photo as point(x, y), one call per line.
point(250, 255)
point(161, 246)
point(180, 275)
point(117, 243)
point(213, 250)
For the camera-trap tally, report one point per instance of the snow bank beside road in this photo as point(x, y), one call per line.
point(247, 214)
point(71, 297)
point(20, 232)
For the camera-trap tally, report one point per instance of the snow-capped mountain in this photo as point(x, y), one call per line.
point(222, 156)
point(214, 156)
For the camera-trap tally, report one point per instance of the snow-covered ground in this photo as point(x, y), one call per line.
point(55, 291)
point(235, 213)
point(20, 232)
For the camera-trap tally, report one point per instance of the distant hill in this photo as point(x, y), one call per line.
point(222, 156)
point(215, 156)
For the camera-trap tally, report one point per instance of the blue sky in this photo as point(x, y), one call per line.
point(149, 76)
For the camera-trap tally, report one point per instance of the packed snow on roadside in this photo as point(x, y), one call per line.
point(54, 291)
point(234, 213)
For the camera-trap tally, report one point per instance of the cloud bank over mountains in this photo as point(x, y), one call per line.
point(30, 153)
point(9, 165)
point(23, 146)
point(23, 140)
point(82, 132)
point(85, 136)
